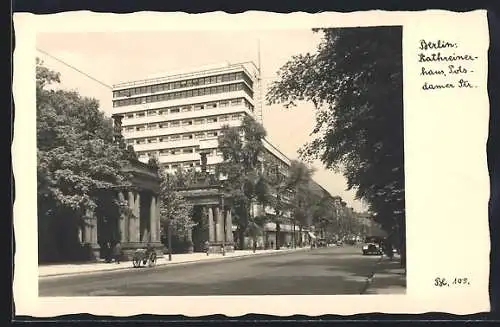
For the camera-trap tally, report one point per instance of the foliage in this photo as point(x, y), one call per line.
point(355, 81)
point(241, 149)
point(75, 151)
point(174, 208)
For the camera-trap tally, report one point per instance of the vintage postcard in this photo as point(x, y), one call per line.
point(313, 164)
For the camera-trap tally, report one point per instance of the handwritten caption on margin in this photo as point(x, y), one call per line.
point(443, 66)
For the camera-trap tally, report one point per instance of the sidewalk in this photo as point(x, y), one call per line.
point(185, 258)
point(388, 278)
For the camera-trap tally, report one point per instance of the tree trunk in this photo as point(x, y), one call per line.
point(241, 238)
point(300, 236)
point(402, 235)
point(278, 234)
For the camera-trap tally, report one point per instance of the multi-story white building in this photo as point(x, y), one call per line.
point(176, 116)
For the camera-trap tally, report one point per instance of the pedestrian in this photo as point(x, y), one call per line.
point(254, 246)
point(117, 252)
point(107, 252)
point(272, 245)
point(206, 247)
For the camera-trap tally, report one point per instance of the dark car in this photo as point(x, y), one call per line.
point(373, 245)
point(372, 248)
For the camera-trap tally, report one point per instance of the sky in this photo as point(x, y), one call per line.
point(115, 57)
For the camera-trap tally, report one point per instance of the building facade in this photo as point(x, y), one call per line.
point(173, 118)
point(176, 117)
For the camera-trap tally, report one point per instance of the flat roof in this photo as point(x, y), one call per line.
point(187, 73)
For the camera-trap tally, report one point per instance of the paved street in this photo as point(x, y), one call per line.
point(324, 271)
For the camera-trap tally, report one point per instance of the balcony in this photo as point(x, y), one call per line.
point(182, 102)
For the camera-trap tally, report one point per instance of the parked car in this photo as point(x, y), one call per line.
point(373, 245)
point(372, 248)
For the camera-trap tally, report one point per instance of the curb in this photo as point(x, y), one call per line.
point(369, 279)
point(171, 264)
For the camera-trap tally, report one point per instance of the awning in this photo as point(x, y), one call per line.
point(311, 235)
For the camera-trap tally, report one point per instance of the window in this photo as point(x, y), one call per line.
point(175, 137)
point(152, 126)
point(187, 122)
point(236, 102)
point(130, 116)
point(198, 107)
point(175, 123)
point(183, 94)
point(212, 120)
point(198, 121)
point(140, 128)
point(211, 134)
point(187, 137)
point(141, 114)
point(190, 150)
point(211, 105)
point(223, 118)
point(152, 113)
point(223, 104)
point(199, 135)
point(154, 140)
point(140, 141)
point(163, 152)
point(129, 129)
point(163, 112)
point(174, 110)
point(163, 139)
point(163, 125)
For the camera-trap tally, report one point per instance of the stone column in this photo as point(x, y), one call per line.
point(229, 226)
point(158, 220)
point(211, 234)
point(137, 220)
point(123, 221)
point(152, 219)
point(133, 230)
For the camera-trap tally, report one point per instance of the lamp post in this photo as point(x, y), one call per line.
point(169, 229)
point(223, 212)
point(169, 239)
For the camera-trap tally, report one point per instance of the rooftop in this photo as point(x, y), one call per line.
point(192, 72)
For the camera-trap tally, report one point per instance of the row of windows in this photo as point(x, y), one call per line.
point(175, 137)
point(184, 122)
point(177, 151)
point(188, 165)
point(190, 107)
point(183, 84)
point(184, 94)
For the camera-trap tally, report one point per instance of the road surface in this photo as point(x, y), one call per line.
point(323, 271)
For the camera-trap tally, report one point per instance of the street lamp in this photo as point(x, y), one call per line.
point(169, 239)
point(224, 222)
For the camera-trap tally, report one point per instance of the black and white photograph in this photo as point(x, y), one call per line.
point(216, 163)
point(277, 164)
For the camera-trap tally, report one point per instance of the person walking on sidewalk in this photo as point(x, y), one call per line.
point(206, 247)
point(107, 252)
point(117, 252)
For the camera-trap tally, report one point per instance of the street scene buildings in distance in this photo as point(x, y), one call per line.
point(178, 178)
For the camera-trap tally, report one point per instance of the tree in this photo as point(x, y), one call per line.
point(241, 150)
point(175, 211)
point(355, 81)
point(77, 161)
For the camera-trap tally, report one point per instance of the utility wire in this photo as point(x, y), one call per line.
point(74, 68)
